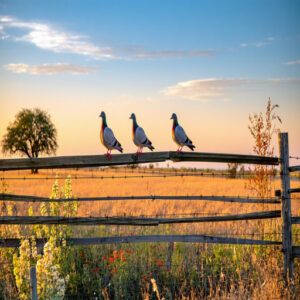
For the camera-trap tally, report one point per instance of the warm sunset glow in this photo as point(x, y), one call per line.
point(75, 69)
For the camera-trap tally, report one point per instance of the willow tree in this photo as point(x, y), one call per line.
point(31, 134)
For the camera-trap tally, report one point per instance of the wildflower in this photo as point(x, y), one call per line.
point(111, 260)
point(122, 255)
point(115, 254)
point(95, 270)
point(159, 263)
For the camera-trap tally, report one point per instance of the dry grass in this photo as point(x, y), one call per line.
point(152, 186)
point(198, 271)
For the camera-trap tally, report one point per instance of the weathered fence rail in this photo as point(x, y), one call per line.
point(135, 221)
point(28, 198)
point(295, 220)
point(127, 159)
point(296, 190)
point(9, 243)
point(296, 251)
point(294, 169)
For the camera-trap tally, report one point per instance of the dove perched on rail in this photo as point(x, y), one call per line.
point(139, 137)
point(179, 135)
point(107, 137)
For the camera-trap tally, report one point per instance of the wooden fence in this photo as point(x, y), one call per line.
point(290, 251)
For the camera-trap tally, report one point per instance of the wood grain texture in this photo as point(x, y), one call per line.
point(13, 243)
point(296, 251)
point(295, 220)
point(295, 190)
point(294, 169)
point(33, 283)
point(85, 161)
point(135, 221)
point(286, 206)
point(231, 199)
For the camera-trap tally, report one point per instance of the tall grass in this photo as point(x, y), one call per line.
point(144, 271)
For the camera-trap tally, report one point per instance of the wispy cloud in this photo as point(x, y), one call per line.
point(3, 34)
point(212, 88)
point(293, 62)
point(45, 36)
point(259, 44)
point(139, 52)
point(48, 69)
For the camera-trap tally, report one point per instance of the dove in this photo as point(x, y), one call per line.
point(107, 137)
point(179, 135)
point(139, 137)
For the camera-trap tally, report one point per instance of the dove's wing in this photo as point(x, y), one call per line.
point(108, 137)
point(180, 135)
point(140, 136)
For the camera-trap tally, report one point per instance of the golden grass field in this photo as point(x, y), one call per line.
point(188, 185)
point(207, 271)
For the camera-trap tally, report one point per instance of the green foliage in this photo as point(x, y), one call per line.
point(50, 277)
point(54, 265)
point(31, 134)
point(22, 263)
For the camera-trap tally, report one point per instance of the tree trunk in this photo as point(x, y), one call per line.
point(34, 171)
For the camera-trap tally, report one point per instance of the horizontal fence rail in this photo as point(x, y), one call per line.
point(28, 198)
point(294, 169)
point(135, 221)
point(296, 251)
point(85, 161)
point(296, 190)
point(295, 220)
point(13, 243)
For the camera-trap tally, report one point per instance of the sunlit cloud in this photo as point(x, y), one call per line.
point(48, 69)
point(45, 36)
point(213, 88)
point(293, 62)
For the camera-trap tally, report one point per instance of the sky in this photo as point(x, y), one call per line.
point(211, 62)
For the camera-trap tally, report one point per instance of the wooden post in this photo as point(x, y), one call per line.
point(286, 206)
point(33, 283)
point(169, 256)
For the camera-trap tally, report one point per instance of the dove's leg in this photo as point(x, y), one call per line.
point(139, 151)
point(108, 154)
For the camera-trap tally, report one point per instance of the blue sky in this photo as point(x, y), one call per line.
point(201, 59)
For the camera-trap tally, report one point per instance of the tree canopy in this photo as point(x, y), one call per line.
point(31, 133)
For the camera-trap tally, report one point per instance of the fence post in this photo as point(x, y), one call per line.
point(169, 256)
point(33, 283)
point(286, 206)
